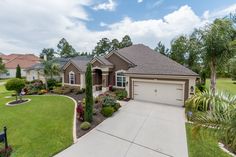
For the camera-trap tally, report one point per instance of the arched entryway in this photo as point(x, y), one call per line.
point(97, 79)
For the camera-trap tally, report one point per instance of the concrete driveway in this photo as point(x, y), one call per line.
point(138, 129)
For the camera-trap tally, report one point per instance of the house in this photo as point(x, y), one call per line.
point(36, 71)
point(145, 74)
point(11, 61)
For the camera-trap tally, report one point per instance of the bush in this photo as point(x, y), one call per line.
point(201, 87)
point(85, 126)
point(117, 106)
point(109, 101)
point(6, 152)
point(43, 91)
point(121, 94)
point(80, 112)
point(51, 83)
point(107, 111)
point(80, 91)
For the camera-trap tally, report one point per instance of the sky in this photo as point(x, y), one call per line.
point(28, 26)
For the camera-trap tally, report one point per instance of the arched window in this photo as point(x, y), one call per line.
point(71, 77)
point(120, 78)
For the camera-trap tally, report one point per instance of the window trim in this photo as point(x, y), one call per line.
point(122, 82)
point(72, 73)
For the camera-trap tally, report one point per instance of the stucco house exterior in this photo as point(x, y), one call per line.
point(36, 71)
point(11, 61)
point(145, 74)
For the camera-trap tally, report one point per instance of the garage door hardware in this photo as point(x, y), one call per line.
point(179, 99)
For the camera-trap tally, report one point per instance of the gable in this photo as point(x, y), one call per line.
point(118, 62)
point(96, 64)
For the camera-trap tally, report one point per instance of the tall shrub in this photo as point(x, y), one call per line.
point(18, 71)
point(15, 84)
point(89, 95)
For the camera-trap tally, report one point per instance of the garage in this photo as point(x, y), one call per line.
point(165, 92)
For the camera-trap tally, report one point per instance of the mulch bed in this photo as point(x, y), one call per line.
point(97, 118)
point(18, 102)
point(77, 97)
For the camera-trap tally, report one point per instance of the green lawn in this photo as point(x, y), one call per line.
point(39, 128)
point(203, 146)
point(224, 84)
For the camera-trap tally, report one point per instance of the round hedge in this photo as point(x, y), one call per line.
point(107, 111)
point(85, 126)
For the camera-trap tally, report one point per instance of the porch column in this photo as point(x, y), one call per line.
point(94, 79)
point(105, 81)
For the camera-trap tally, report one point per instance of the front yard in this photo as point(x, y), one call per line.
point(224, 84)
point(41, 127)
point(202, 146)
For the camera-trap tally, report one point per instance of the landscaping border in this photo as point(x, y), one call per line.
point(222, 147)
point(11, 105)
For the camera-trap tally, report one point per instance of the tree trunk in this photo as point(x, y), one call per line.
point(46, 83)
point(16, 96)
point(213, 76)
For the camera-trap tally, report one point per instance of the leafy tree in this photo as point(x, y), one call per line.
point(89, 95)
point(102, 47)
point(51, 68)
point(179, 48)
point(115, 45)
point(18, 71)
point(2, 67)
point(15, 84)
point(233, 69)
point(49, 52)
point(66, 50)
point(217, 43)
point(162, 49)
point(126, 42)
point(221, 117)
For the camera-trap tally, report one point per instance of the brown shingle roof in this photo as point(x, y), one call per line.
point(150, 62)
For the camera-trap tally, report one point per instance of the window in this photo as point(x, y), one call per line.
point(120, 79)
point(72, 77)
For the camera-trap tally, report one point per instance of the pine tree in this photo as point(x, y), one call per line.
point(89, 95)
point(18, 71)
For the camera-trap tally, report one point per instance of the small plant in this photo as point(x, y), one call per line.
point(107, 111)
point(121, 94)
point(51, 83)
point(108, 101)
point(80, 112)
point(117, 106)
point(6, 152)
point(85, 126)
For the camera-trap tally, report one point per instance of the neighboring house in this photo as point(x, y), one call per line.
point(145, 74)
point(11, 61)
point(36, 72)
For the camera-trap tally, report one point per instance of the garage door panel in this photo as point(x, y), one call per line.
point(160, 92)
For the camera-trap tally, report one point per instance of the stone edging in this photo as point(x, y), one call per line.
point(11, 105)
point(74, 121)
point(221, 145)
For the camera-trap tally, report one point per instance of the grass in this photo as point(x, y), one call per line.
point(39, 128)
point(203, 146)
point(224, 84)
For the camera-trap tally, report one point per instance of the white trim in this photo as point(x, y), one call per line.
point(77, 85)
point(71, 73)
point(120, 71)
point(161, 76)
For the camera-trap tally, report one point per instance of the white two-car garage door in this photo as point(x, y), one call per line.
point(165, 92)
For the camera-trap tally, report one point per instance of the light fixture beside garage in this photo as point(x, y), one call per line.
point(191, 90)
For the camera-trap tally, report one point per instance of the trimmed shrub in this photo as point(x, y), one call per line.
point(108, 101)
point(117, 106)
point(85, 126)
point(51, 83)
point(121, 94)
point(107, 111)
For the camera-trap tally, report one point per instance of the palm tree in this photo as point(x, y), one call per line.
point(51, 68)
point(221, 118)
point(217, 41)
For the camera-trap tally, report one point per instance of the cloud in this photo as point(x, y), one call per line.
point(29, 26)
point(220, 13)
point(110, 5)
point(139, 1)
